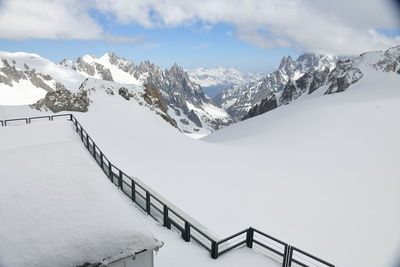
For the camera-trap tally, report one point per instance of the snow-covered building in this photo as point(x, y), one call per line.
point(58, 209)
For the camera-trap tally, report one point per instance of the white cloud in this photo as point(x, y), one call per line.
point(22, 19)
point(340, 26)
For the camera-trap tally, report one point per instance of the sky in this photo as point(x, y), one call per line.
point(251, 35)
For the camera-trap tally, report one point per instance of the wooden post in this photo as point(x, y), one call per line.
point(167, 222)
point(148, 202)
point(249, 237)
point(214, 249)
point(186, 232)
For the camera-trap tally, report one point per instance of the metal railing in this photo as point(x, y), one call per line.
point(156, 207)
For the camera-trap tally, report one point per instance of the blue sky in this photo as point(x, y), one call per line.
point(199, 45)
point(251, 35)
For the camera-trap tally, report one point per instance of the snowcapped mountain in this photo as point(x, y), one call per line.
point(238, 100)
point(72, 86)
point(213, 80)
point(329, 81)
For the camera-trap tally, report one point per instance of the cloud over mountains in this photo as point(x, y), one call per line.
point(340, 26)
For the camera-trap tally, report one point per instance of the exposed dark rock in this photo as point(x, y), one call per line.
point(104, 72)
point(266, 105)
point(124, 92)
point(319, 79)
point(194, 118)
point(184, 121)
point(64, 100)
point(153, 97)
point(342, 76)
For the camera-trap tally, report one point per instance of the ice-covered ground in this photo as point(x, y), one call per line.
point(321, 174)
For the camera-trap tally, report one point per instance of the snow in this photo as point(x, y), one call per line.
point(321, 173)
point(80, 197)
point(58, 209)
point(331, 161)
point(21, 93)
point(68, 77)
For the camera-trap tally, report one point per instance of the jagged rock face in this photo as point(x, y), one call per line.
point(238, 100)
point(342, 76)
point(318, 79)
point(122, 63)
point(390, 60)
point(64, 100)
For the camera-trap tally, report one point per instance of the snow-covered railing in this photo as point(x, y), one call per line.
point(171, 217)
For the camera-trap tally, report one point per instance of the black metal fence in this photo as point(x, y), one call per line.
point(151, 203)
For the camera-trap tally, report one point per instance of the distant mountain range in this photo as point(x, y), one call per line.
point(213, 80)
point(239, 99)
point(177, 95)
point(334, 78)
point(70, 86)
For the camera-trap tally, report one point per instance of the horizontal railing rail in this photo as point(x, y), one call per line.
point(152, 204)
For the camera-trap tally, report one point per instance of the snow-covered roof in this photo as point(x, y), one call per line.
point(56, 206)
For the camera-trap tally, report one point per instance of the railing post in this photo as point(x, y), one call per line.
point(287, 258)
point(1, 123)
point(70, 117)
point(186, 232)
point(81, 130)
point(28, 120)
point(249, 237)
point(148, 202)
point(94, 150)
point(51, 118)
point(5, 123)
point(101, 160)
point(167, 222)
point(133, 191)
point(290, 256)
point(87, 142)
point(214, 249)
point(110, 174)
point(120, 179)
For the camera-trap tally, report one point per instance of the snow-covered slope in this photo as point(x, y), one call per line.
point(238, 100)
point(214, 80)
point(27, 78)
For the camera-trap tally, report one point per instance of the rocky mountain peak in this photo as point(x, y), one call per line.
point(286, 62)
